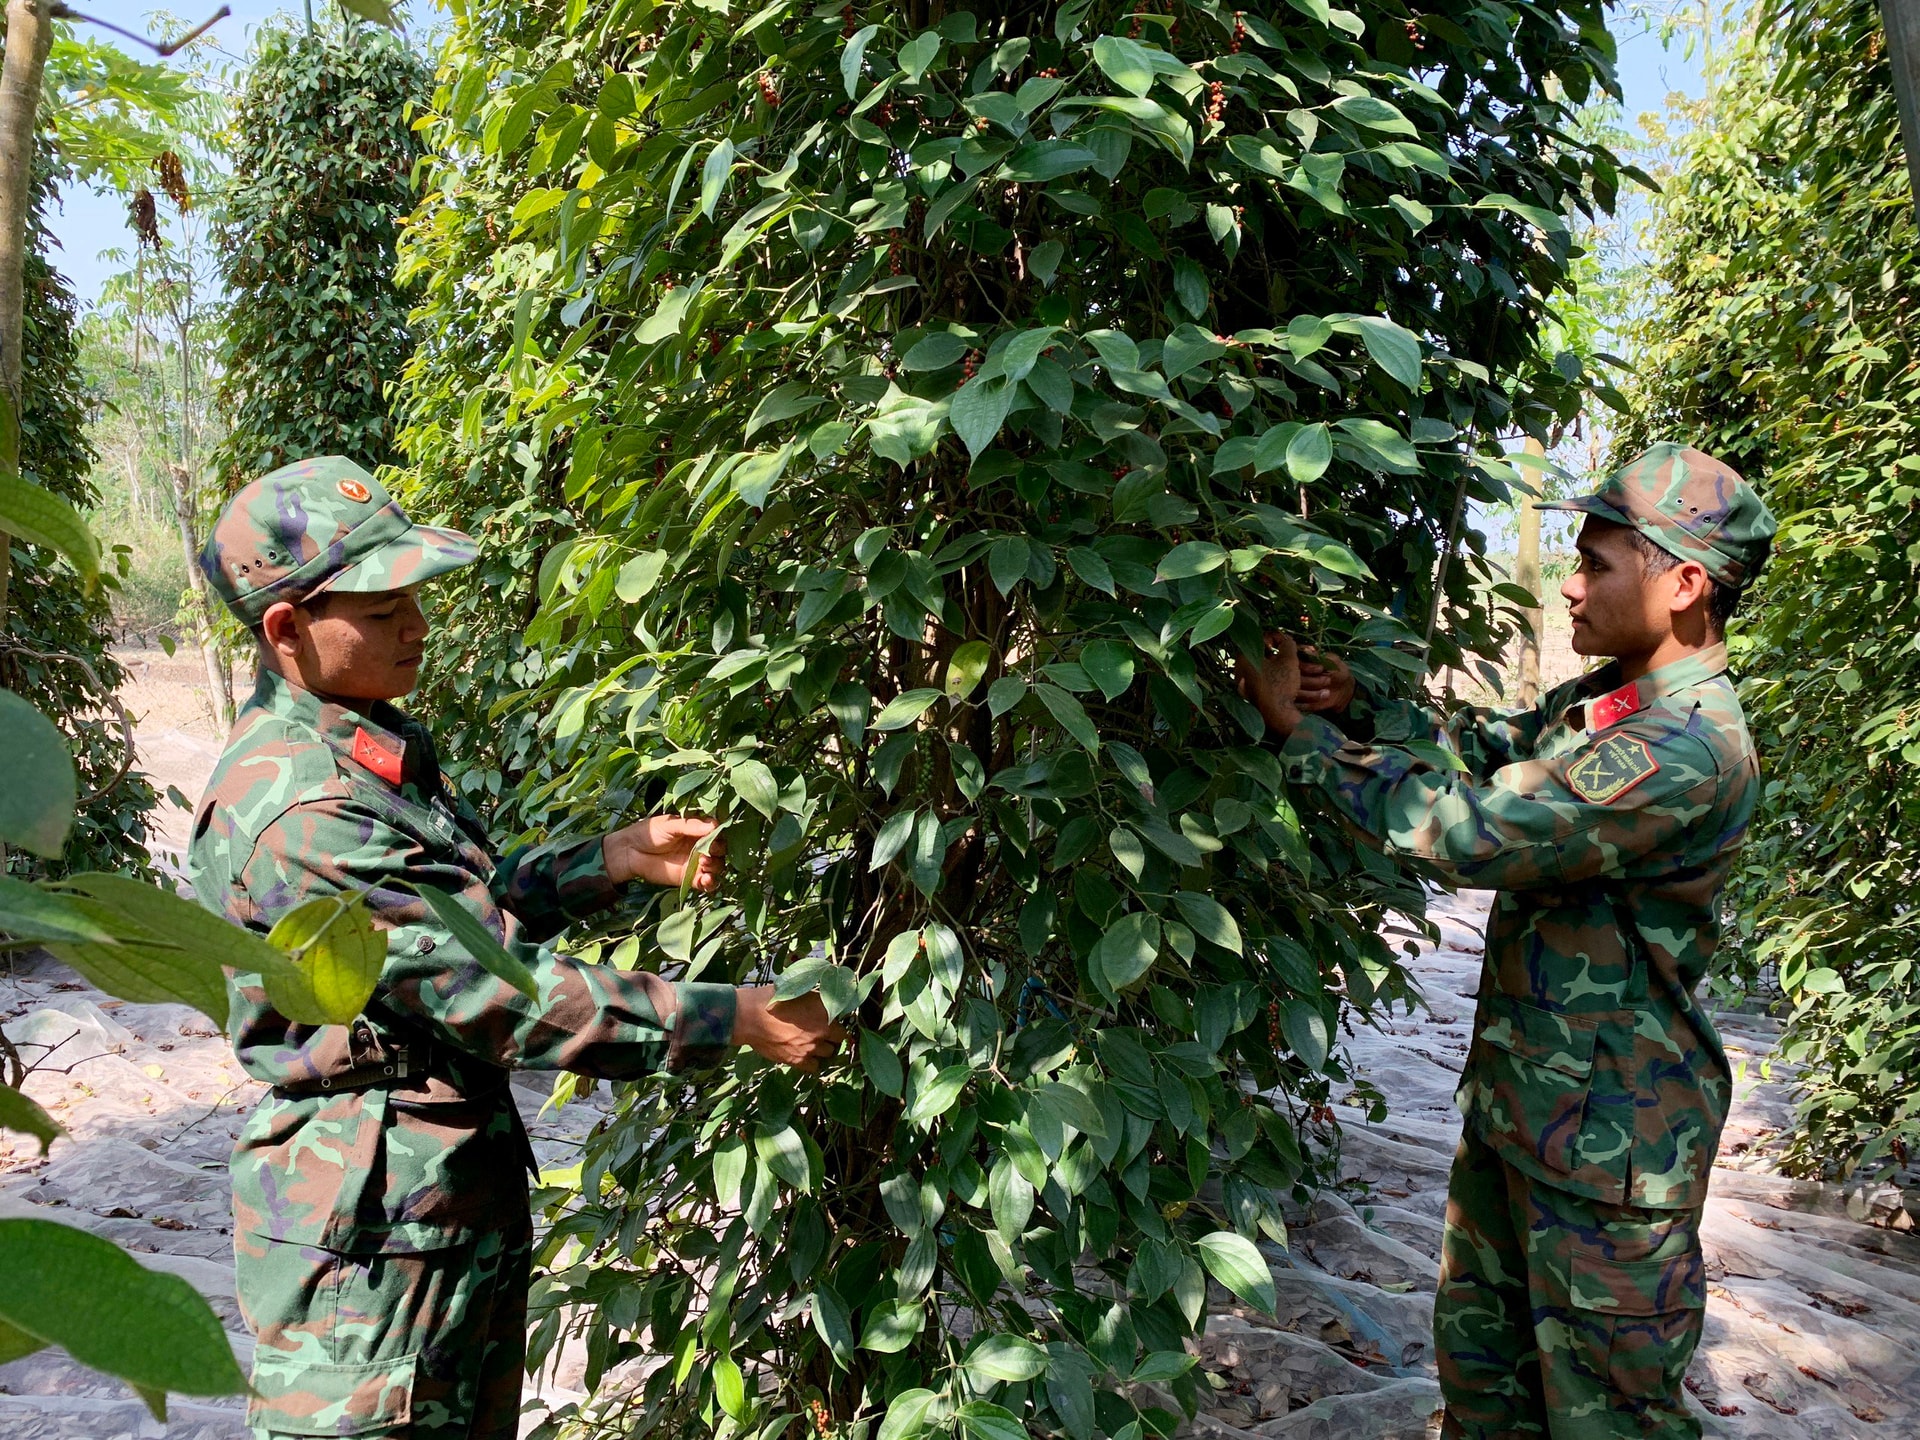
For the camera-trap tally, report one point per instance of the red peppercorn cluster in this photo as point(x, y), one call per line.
point(822, 1426)
point(1273, 1024)
point(1050, 73)
point(968, 370)
point(847, 26)
point(1216, 101)
point(893, 252)
point(885, 112)
point(767, 92)
point(1239, 32)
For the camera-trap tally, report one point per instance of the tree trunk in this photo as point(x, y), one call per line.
point(29, 37)
point(1526, 574)
point(136, 501)
point(219, 681)
point(1902, 19)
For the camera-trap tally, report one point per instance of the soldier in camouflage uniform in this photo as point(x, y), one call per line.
point(381, 1225)
point(1607, 816)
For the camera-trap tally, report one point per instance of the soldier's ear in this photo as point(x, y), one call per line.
point(280, 631)
point(1691, 586)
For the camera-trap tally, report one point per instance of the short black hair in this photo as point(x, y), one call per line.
point(1722, 600)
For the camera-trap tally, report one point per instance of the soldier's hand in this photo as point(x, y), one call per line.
point(1325, 682)
point(1274, 687)
point(662, 848)
point(793, 1032)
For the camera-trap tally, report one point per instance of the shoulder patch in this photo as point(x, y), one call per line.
point(1611, 768)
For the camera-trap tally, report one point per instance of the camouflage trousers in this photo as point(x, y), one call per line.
point(414, 1347)
point(1559, 1316)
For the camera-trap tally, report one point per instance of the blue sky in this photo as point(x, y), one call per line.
point(89, 223)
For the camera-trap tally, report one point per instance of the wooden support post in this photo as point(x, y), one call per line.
point(1526, 573)
point(1902, 19)
point(29, 38)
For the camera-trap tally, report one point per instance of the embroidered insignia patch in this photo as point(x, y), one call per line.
point(355, 491)
point(376, 757)
point(1611, 768)
point(1615, 706)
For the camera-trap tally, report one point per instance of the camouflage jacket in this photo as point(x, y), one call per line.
point(1607, 816)
point(397, 1132)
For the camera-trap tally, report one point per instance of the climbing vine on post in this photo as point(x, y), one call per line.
point(930, 404)
point(316, 332)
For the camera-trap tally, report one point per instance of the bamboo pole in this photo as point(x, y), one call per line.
point(1902, 21)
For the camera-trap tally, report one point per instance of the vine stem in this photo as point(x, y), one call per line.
point(59, 11)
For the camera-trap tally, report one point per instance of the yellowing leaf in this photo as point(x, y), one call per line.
point(967, 667)
point(336, 956)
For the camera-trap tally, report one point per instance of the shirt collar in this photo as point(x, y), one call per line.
point(379, 739)
point(1608, 702)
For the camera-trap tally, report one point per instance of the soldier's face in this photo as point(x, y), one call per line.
point(356, 647)
point(1613, 606)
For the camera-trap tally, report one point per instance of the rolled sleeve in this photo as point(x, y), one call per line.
point(702, 1025)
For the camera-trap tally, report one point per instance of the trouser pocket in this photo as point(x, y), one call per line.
point(1643, 1320)
point(303, 1397)
point(399, 1343)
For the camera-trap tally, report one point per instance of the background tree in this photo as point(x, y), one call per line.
point(315, 330)
point(1784, 340)
point(1069, 347)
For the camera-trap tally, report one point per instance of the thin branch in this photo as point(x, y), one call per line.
point(63, 12)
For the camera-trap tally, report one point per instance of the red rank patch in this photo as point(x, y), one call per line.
point(375, 756)
point(1615, 706)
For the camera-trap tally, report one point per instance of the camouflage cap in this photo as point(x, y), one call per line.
point(1690, 505)
point(317, 525)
